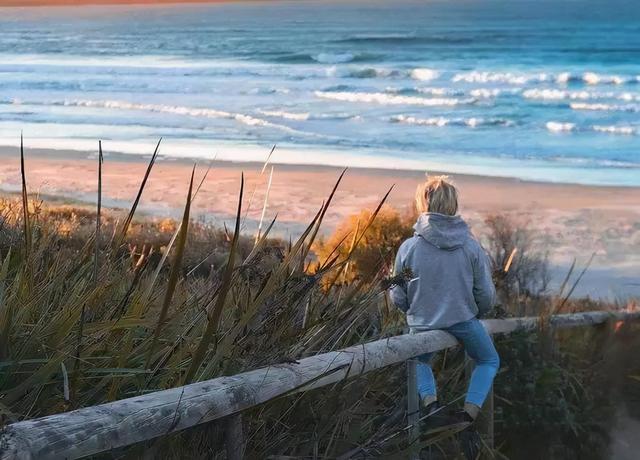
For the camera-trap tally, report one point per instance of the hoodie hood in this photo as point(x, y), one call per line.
point(442, 231)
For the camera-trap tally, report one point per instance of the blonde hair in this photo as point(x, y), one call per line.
point(437, 194)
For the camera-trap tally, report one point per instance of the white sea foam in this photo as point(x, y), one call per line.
point(424, 74)
point(605, 107)
point(145, 61)
point(556, 126)
point(434, 121)
point(390, 99)
point(592, 78)
point(285, 115)
point(439, 91)
point(361, 72)
point(472, 122)
point(179, 110)
point(627, 130)
point(563, 77)
point(557, 94)
point(485, 93)
point(629, 97)
point(329, 58)
point(499, 77)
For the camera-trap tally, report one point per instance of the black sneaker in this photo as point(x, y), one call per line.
point(469, 438)
point(434, 416)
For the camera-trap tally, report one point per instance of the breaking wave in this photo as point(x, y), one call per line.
point(390, 99)
point(510, 78)
point(605, 107)
point(424, 74)
point(557, 127)
point(472, 122)
point(285, 115)
point(626, 130)
point(328, 58)
point(180, 110)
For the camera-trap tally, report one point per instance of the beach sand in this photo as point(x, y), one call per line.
point(570, 221)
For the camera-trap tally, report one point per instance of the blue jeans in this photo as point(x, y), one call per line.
point(479, 346)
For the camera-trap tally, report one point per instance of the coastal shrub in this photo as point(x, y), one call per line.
point(520, 263)
point(370, 250)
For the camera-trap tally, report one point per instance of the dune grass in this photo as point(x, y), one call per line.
point(97, 306)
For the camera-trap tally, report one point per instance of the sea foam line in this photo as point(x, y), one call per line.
point(285, 115)
point(180, 110)
point(472, 122)
point(558, 126)
point(389, 99)
point(605, 107)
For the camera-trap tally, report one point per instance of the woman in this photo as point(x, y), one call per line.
point(449, 286)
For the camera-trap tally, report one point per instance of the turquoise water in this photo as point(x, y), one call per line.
point(546, 90)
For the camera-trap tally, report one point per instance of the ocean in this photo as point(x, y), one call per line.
point(541, 90)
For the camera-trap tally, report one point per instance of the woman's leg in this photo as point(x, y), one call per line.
point(479, 346)
point(426, 383)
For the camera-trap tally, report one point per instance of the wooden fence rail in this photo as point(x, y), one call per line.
point(96, 429)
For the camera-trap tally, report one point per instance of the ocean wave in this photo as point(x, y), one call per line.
point(388, 99)
point(431, 91)
point(558, 94)
point(605, 107)
point(499, 77)
point(179, 110)
point(285, 115)
point(268, 91)
point(424, 74)
point(362, 72)
point(592, 78)
point(329, 58)
point(626, 130)
point(472, 122)
point(557, 127)
point(555, 94)
point(485, 93)
point(400, 38)
point(439, 91)
point(304, 116)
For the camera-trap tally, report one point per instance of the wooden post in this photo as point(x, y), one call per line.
point(413, 409)
point(234, 437)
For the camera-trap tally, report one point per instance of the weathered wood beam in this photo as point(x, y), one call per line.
point(121, 423)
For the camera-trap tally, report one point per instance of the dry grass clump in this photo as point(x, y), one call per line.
point(520, 264)
point(370, 248)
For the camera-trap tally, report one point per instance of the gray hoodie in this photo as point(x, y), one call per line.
point(451, 274)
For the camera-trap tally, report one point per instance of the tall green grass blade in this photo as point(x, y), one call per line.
point(125, 226)
point(98, 215)
point(25, 202)
point(175, 271)
point(225, 285)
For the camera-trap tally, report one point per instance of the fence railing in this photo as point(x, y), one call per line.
point(101, 428)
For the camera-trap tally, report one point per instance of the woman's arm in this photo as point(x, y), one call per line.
point(398, 291)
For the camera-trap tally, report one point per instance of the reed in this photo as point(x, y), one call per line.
point(167, 303)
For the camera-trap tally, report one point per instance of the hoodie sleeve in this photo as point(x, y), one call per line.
point(398, 292)
point(484, 292)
